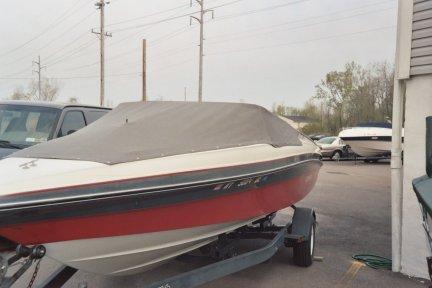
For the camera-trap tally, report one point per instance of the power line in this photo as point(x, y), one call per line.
point(214, 54)
point(155, 22)
point(55, 39)
point(67, 45)
point(109, 59)
point(87, 16)
point(21, 59)
point(181, 16)
point(54, 24)
point(28, 68)
point(231, 51)
point(168, 36)
point(181, 30)
point(136, 33)
point(270, 8)
point(236, 1)
point(300, 42)
point(147, 24)
point(119, 55)
point(134, 50)
point(172, 65)
point(149, 15)
point(74, 77)
point(73, 52)
point(172, 51)
point(300, 26)
point(97, 76)
point(298, 20)
point(81, 66)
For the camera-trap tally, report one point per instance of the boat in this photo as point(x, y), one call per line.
point(151, 181)
point(372, 139)
point(423, 189)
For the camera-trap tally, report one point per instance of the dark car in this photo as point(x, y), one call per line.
point(24, 123)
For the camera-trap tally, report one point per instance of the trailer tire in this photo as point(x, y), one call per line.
point(337, 155)
point(303, 252)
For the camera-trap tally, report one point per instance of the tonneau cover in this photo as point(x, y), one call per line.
point(144, 130)
point(423, 189)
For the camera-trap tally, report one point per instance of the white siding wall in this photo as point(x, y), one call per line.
point(418, 106)
point(421, 53)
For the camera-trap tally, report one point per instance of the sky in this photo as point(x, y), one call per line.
point(256, 51)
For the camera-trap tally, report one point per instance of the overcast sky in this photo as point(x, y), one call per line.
point(257, 51)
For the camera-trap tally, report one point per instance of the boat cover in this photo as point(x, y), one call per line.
point(144, 130)
point(423, 189)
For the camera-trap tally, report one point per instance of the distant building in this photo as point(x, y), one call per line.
point(297, 121)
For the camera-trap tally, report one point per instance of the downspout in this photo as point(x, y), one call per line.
point(397, 174)
point(402, 73)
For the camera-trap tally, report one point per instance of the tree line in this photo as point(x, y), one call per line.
point(346, 98)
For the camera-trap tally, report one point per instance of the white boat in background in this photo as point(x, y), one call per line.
point(369, 139)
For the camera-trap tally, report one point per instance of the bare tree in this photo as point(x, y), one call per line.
point(19, 94)
point(283, 110)
point(49, 91)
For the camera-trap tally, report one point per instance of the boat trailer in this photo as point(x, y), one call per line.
point(298, 234)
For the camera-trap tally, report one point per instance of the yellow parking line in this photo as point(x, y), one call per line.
point(350, 274)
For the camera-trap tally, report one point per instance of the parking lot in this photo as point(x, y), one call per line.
point(352, 201)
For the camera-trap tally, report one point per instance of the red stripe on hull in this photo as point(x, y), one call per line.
point(234, 207)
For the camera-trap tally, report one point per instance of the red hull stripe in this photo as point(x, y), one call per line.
point(141, 198)
point(239, 206)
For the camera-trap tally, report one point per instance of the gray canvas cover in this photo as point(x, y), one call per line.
point(144, 130)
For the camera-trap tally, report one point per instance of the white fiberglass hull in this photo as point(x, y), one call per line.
point(370, 148)
point(368, 141)
point(131, 254)
point(115, 236)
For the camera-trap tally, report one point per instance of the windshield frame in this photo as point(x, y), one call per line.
point(34, 108)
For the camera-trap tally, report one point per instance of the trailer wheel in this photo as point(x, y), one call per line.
point(337, 155)
point(303, 252)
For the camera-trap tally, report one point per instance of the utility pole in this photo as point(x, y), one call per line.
point(185, 93)
point(144, 71)
point(102, 34)
point(39, 68)
point(200, 20)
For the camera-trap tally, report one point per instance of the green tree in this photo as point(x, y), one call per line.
point(346, 98)
point(336, 90)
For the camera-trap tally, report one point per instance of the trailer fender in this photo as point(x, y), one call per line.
point(302, 221)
